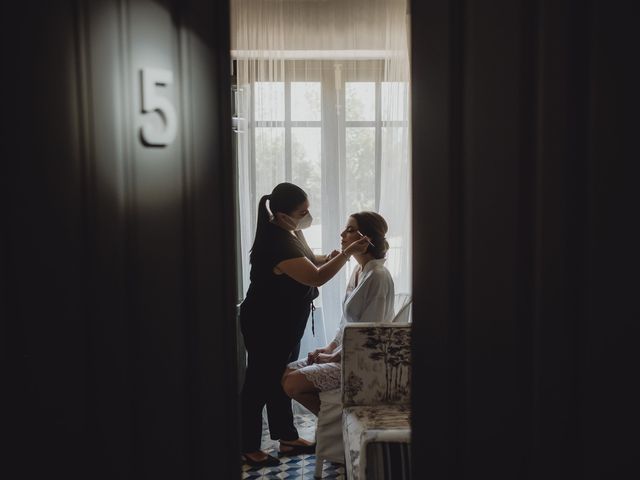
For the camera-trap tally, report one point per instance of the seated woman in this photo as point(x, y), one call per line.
point(369, 298)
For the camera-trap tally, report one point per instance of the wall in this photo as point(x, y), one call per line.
point(118, 293)
point(523, 193)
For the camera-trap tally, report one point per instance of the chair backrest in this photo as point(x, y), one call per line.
point(376, 364)
point(402, 308)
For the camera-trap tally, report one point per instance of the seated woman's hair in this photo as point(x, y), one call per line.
point(375, 227)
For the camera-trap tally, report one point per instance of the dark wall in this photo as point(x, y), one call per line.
point(117, 280)
point(524, 258)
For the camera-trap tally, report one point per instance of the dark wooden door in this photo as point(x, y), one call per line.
point(117, 269)
point(524, 181)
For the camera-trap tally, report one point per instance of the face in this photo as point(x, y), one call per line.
point(300, 211)
point(349, 234)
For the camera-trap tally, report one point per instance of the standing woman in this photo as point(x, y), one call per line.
point(285, 276)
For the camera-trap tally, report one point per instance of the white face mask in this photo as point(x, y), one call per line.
point(304, 222)
point(291, 223)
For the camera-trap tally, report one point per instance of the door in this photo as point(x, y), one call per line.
point(118, 272)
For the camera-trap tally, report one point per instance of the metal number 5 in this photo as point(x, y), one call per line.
point(151, 102)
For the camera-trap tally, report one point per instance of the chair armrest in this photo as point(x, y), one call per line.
point(376, 365)
point(375, 458)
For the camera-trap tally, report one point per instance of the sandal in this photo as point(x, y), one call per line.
point(269, 461)
point(297, 449)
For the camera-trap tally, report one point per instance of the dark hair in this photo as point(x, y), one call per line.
point(375, 227)
point(284, 198)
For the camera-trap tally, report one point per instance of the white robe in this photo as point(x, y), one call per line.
point(369, 301)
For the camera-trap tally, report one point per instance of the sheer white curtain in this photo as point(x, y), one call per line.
point(322, 101)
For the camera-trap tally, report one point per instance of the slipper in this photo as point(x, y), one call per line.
point(270, 461)
point(297, 449)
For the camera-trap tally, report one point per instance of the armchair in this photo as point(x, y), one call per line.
point(373, 402)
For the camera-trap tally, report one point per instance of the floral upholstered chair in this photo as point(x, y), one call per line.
point(402, 308)
point(376, 374)
point(373, 403)
point(330, 445)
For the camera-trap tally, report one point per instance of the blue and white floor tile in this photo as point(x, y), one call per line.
point(296, 467)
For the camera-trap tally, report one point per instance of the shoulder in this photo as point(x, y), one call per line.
point(278, 244)
point(279, 237)
point(380, 278)
point(381, 273)
point(286, 246)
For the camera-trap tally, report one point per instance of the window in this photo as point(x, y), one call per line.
point(326, 127)
point(287, 142)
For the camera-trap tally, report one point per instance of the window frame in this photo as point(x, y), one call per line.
point(333, 133)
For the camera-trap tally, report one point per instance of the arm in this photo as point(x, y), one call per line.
point(337, 338)
point(302, 270)
point(379, 300)
point(320, 259)
point(333, 352)
point(374, 311)
point(329, 348)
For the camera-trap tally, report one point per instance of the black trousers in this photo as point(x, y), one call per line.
point(268, 354)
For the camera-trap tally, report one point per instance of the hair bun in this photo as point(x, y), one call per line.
point(375, 227)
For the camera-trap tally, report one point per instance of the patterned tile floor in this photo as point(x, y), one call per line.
point(297, 467)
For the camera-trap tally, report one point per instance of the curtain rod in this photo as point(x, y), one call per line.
point(314, 54)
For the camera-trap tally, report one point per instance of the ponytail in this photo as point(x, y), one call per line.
point(264, 217)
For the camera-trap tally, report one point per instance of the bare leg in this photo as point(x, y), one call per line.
point(296, 385)
point(310, 400)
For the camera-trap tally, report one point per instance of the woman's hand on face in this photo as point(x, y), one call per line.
point(284, 221)
point(358, 247)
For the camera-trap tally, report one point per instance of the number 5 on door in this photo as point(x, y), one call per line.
point(151, 101)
